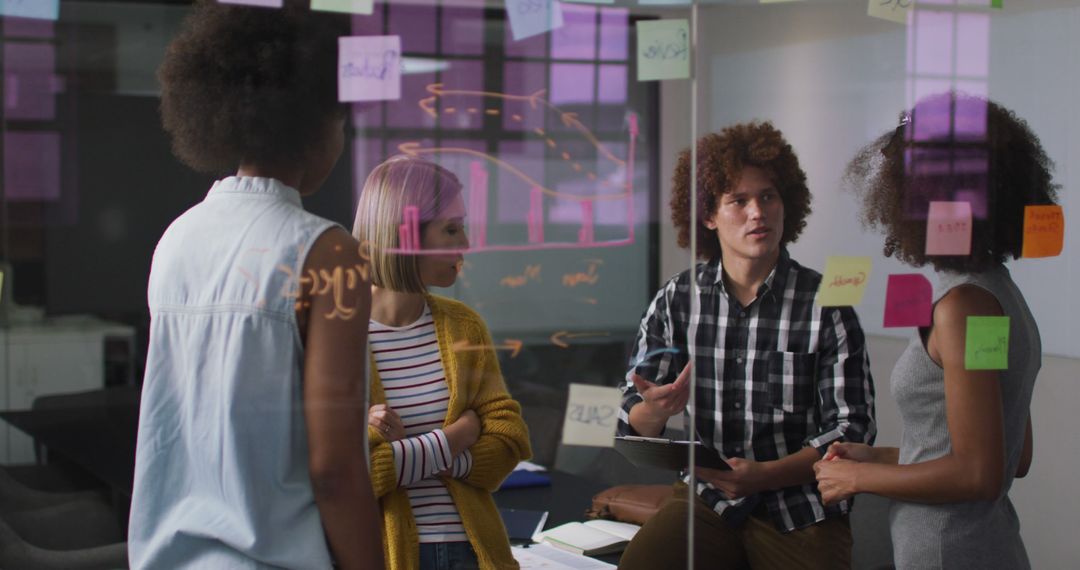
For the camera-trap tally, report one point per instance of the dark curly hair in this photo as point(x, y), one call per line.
point(1000, 169)
point(721, 159)
point(242, 84)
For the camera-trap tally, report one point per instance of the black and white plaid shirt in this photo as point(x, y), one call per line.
point(772, 377)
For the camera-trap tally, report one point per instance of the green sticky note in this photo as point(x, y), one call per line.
point(987, 345)
point(663, 49)
point(364, 7)
point(997, 4)
point(892, 10)
point(844, 281)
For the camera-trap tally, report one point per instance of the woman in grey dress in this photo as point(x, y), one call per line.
point(967, 432)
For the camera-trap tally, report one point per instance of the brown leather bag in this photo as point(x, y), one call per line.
point(630, 503)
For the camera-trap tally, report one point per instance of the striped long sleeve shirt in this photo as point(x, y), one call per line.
point(412, 374)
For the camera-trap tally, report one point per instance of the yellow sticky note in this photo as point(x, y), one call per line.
point(663, 49)
point(364, 7)
point(844, 281)
point(592, 413)
point(892, 10)
point(1044, 231)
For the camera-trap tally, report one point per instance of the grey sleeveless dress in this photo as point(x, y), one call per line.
point(984, 534)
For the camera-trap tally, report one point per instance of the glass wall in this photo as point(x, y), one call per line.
point(593, 253)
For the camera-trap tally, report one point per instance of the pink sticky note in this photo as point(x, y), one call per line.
point(948, 228)
point(908, 301)
point(369, 68)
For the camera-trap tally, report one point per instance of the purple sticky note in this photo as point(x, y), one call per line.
point(369, 68)
point(908, 301)
point(948, 228)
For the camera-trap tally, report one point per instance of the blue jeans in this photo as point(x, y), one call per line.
point(447, 556)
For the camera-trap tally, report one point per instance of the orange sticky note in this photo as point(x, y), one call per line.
point(1044, 231)
point(948, 228)
point(844, 281)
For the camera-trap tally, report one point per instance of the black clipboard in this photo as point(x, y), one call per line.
point(662, 453)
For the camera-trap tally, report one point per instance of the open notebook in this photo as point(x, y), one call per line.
point(545, 557)
point(591, 538)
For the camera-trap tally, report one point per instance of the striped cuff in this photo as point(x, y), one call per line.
point(462, 465)
point(419, 457)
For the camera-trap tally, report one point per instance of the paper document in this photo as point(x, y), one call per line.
point(529, 466)
point(544, 557)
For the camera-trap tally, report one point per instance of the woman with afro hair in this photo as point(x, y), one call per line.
point(967, 432)
point(247, 453)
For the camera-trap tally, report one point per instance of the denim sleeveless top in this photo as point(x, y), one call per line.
point(221, 471)
point(977, 534)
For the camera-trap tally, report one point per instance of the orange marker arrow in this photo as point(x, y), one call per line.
point(511, 344)
point(557, 338)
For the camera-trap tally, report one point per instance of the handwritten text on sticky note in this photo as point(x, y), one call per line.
point(844, 281)
point(892, 10)
point(663, 49)
point(908, 301)
point(369, 68)
point(37, 9)
point(1044, 231)
point(532, 17)
point(948, 228)
point(987, 344)
point(592, 413)
point(347, 6)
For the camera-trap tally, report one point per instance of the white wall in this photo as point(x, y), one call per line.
point(832, 79)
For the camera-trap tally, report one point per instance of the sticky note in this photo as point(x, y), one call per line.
point(532, 17)
point(263, 3)
point(37, 9)
point(369, 68)
point(999, 4)
point(347, 6)
point(892, 10)
point(844, 281)
point(1044, 231)
point(948, 228)
point(987, 344)
point(663, 49)
point(592, 412)
point(909, 299)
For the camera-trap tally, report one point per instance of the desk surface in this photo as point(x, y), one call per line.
point(565, 501)
point(97, 433)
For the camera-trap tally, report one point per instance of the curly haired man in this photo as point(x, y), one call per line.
point(778, 378)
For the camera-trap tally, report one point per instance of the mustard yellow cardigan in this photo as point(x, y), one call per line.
point(475, 383)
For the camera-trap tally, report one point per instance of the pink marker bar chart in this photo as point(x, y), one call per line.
point(479, 177)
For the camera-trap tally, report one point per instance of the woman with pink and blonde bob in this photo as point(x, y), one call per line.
point(444, 432)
